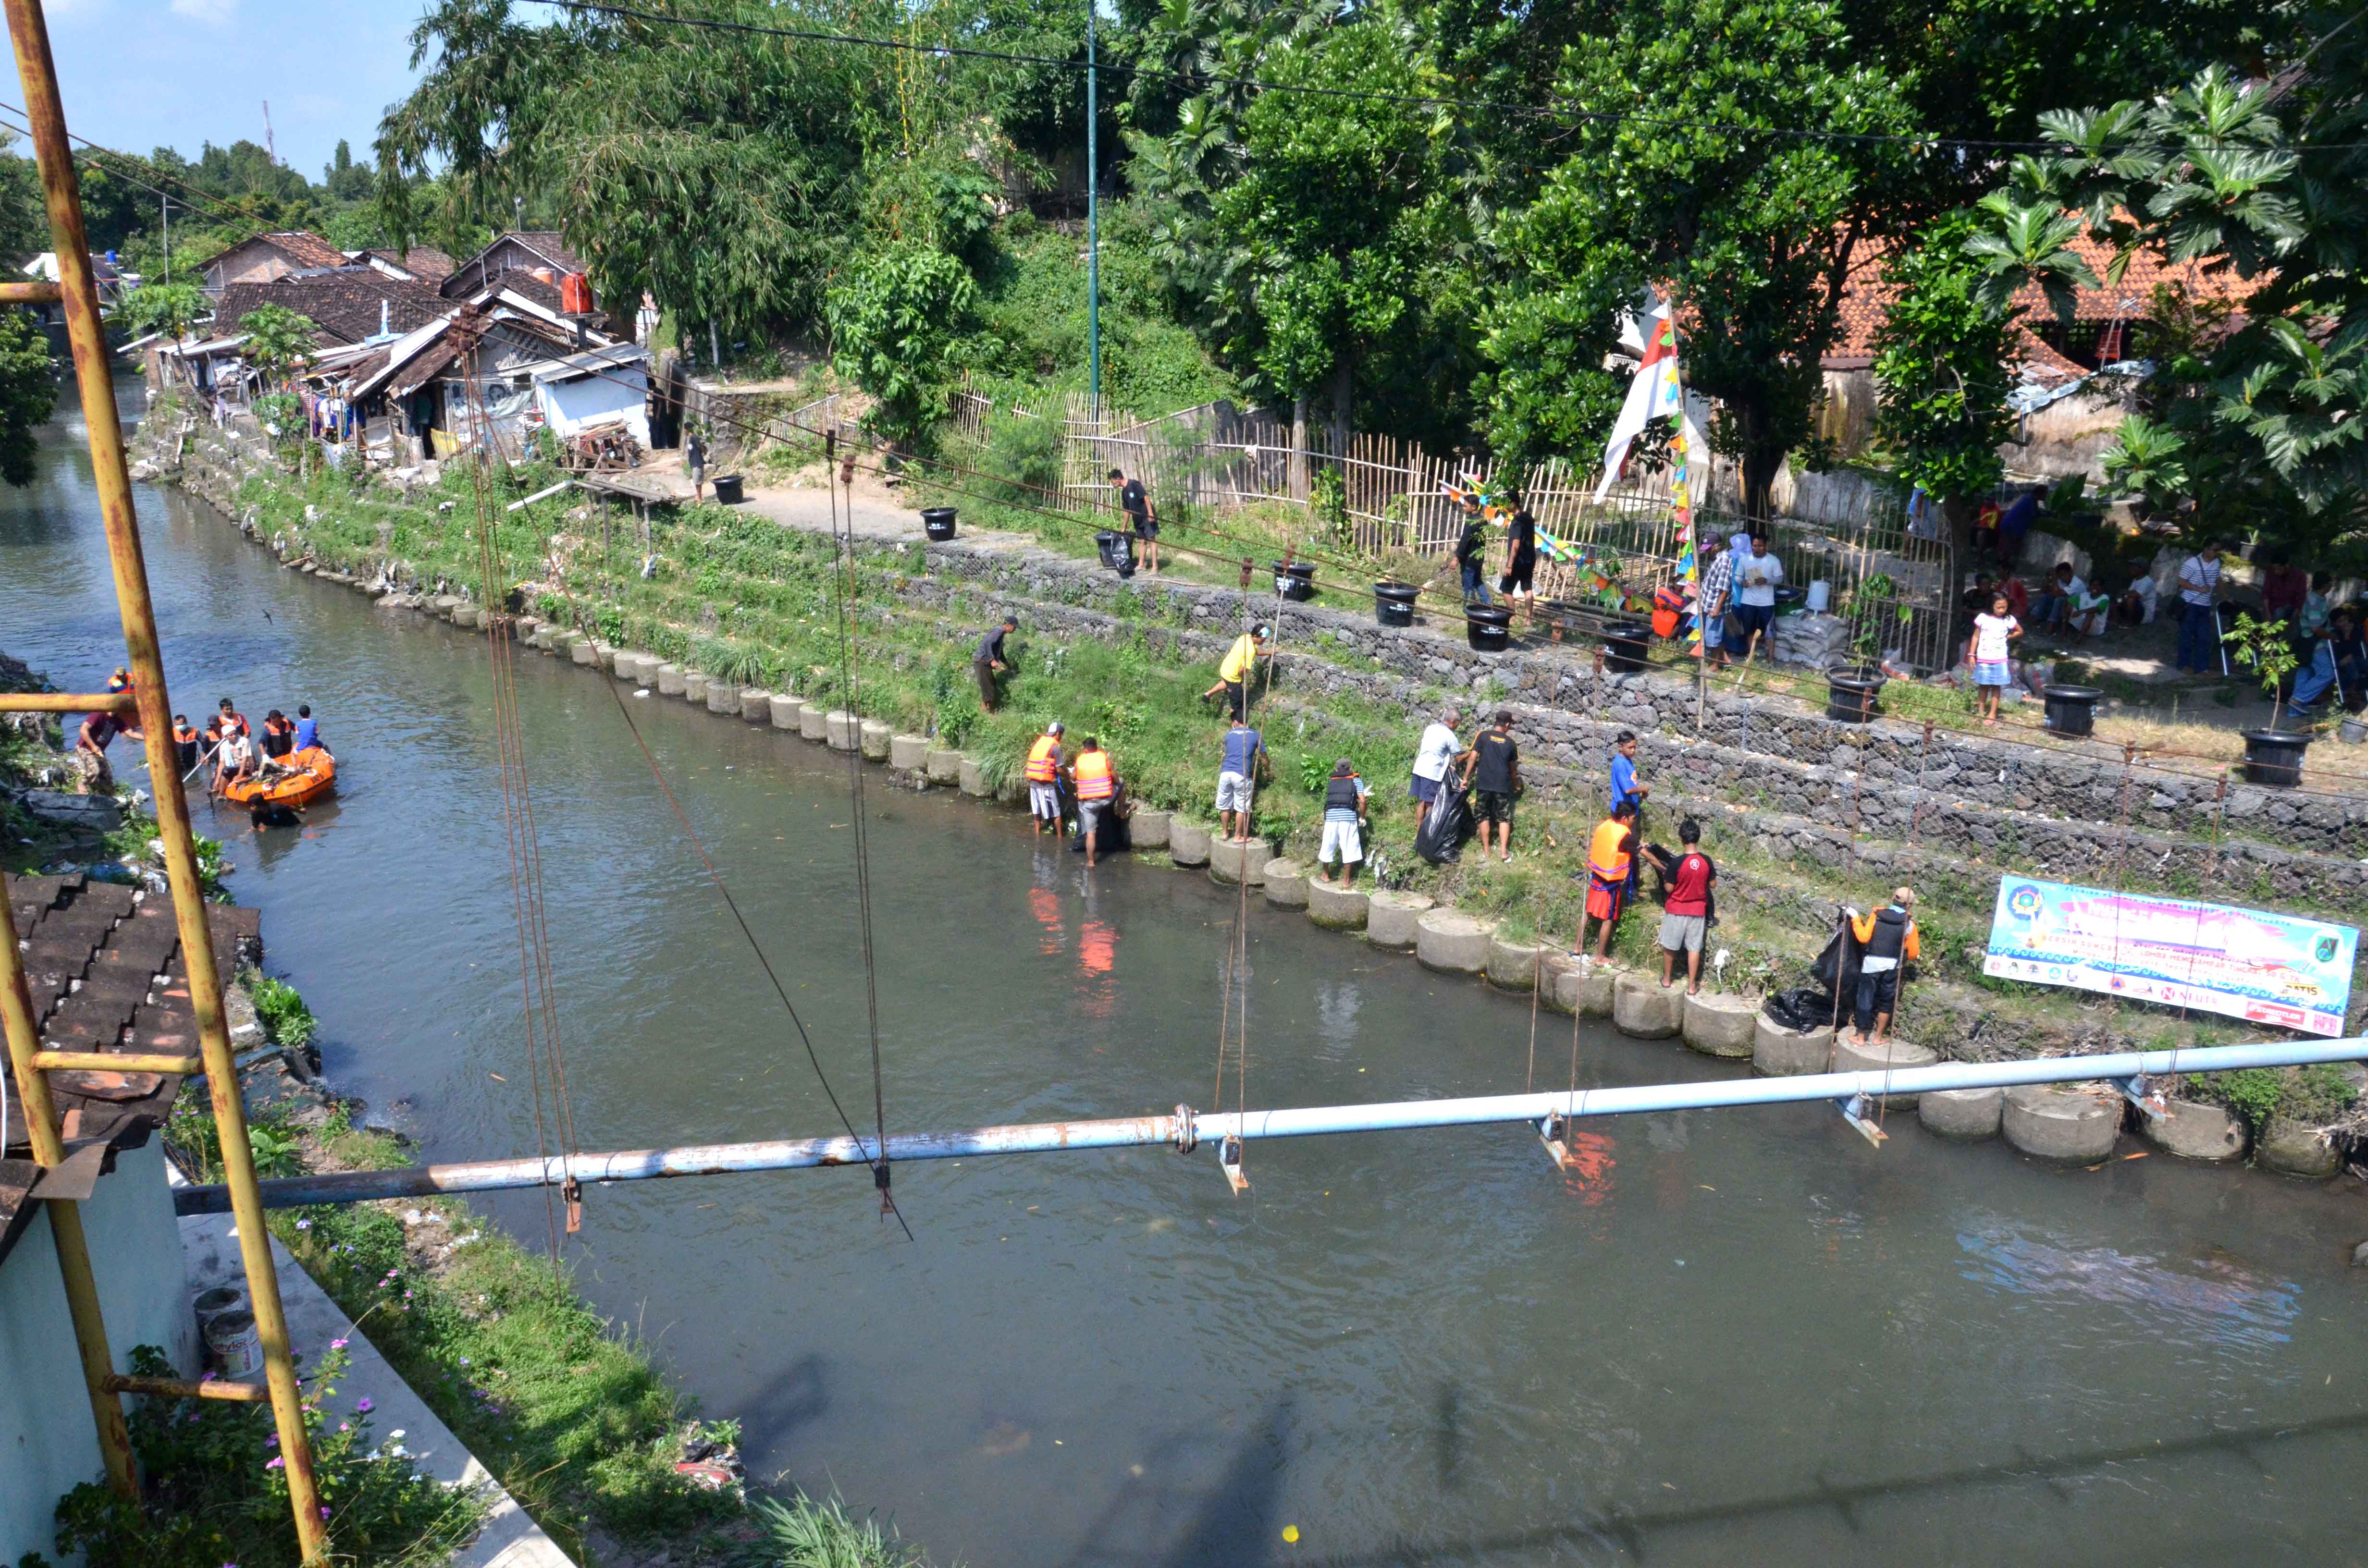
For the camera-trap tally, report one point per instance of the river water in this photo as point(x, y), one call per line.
point(1737, 1336)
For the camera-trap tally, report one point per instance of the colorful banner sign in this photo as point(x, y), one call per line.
point(2268, 969)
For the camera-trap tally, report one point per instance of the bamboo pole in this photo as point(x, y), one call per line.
point(29, 34)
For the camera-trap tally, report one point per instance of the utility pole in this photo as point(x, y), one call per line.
point(270, 150)
point(164, 217)
point(1093, 224)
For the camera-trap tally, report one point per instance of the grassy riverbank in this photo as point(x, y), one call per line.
point(739, 597)
point(567, 1409)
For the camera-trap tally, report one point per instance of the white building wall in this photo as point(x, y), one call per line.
point(48, 1446)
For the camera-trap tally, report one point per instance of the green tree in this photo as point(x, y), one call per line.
point(278, 340)
point(29, 392)
point(1753, 230)
point(1326, 216)
point(1941, 371)
point(169, 308)
point(895, 320)
point(2259, 181)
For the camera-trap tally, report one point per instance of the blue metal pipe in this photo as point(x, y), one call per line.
point(1210, 1127)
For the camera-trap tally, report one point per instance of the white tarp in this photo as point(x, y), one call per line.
point(617, 392)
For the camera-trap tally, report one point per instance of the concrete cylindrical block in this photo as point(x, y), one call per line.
point(2074, 1125)
point(1451, 941)
point(443, 604)
point(877, 733)
point(723, 696)
point(1642, 1007)
point(1515, 966)
point(694, 687)
point(814, 721)
point(1339, 909)
point(1230, 862)
point(2296, 1149)
point(584, 652)
point(942, 764)
point(1390, 917)
point(1285, 883)
point(1720, 1024)
point(786, 709)
point(628, 667)
point(972, 778)
point(756, 705)
point(1891, 1055)
point(1584, 988)
point(670, 680)
point(1962, 1113)
point(2195, 1130)
point(1780, 1052)
point(844, 731)
point(1556, 964)
point(1148, 829)
point(1187, 842)
point(909, 754)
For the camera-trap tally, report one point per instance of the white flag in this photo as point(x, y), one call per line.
point(1654, 393)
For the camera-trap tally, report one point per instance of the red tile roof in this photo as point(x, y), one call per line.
point(1866, 301)
point(300, 247)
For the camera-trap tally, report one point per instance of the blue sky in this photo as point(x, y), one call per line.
point(143, 73)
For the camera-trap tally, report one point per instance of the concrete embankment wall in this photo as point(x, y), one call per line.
point(959, 584)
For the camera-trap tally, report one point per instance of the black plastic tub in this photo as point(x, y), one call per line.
point(1117, 551)
point(1488, 629)
point(727, 489)
point(1393, 603)
point(1626, 645)
point(2274, 757)
point(1295, 581)
point(937, 522)
point(2071, 709)
point(1850, 692)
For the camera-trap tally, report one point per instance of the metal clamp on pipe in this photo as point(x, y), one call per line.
point(1188, 1130)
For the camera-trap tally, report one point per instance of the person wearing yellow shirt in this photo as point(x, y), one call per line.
point(1888, 940)
point(1240, 662)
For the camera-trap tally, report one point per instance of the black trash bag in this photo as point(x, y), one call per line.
point(1836, 967)
point(1801, 1009)
point(1448, 827)
point(1834, 976)
point(1113, 834)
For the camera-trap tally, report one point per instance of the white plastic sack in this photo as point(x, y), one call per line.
point(1816, 641)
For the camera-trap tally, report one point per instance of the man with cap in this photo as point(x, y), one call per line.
point(1044, 765)
point(1888, 940)
point(1239, 665)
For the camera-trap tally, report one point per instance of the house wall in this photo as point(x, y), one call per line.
point(2066, 435)
point(248, 264)
point(48, 1444)
point(568, 406)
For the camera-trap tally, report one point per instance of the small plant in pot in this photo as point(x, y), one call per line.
point(2273, 756)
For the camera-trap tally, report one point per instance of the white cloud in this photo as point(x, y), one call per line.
point(213, 13)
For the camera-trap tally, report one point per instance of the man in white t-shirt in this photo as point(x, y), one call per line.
point(1433, 755)
point(1756, 579)
point(2063, 588)
point(2198, 619)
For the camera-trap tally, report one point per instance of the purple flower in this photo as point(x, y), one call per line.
point(275, 1463)
point(272, 1442)
point(303, 1224)
point(363, 1406)
point(464, 1360)
point(337, 1345)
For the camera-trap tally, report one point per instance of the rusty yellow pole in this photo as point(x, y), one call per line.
point(28, 32)
point(65, 1219)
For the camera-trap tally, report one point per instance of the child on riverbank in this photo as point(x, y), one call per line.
point(1994, 635)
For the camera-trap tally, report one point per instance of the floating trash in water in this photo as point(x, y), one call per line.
point(1290, 1532)
point(1006, 1437)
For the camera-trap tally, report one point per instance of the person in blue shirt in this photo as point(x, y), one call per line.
point(1237, 779)
point(1625, 789)
point(308, 729)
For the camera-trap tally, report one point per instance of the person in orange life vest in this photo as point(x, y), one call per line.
point(1889, 937)
point(185, 745)
point(278, 735)
point(1095, 782)
point(1044, 761)
point(1685, 920)
point(231, 718)
point(1611, 862)
point(121, 681)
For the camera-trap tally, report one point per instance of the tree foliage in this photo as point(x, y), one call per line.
point(278, 340)
point(1940, 369)
point(169, 308)
point(29, 392)
point(895, 321)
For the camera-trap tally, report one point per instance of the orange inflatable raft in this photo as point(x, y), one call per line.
point(309, 774)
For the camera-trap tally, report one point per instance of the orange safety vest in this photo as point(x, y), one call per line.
point(1607, 860)
point(1094, 782)
point(1040, 759)
point(1669, 607)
